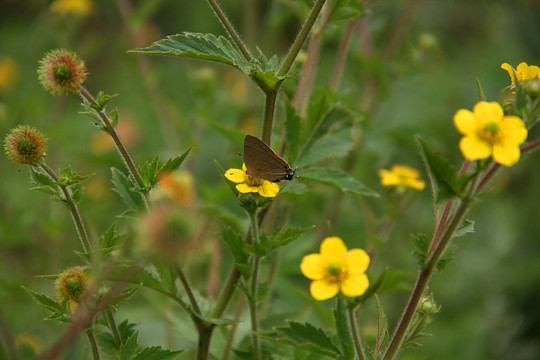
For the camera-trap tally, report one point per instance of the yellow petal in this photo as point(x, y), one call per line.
point(236, 175)
point(314, 267)
point(322, 290)
point(510, 70)
point(506, 155)
point(465, 122)
point(268, 189)
point(246, 189)
point(487, 112)
point(355, 285)
point(388, 178)
point(474, 148)
point(357, 261)
point(416, 184)
point(333, 247)
point(513, 131)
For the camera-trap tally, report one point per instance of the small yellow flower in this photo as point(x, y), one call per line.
point(9, 72)
point(402, 176)
point(77, 7)
point(178, 186)
point(335, 269)
point(523, 72)
point(247, 184)
point(488, 132)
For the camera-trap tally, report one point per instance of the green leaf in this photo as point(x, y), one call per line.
point(124, 296)
point(198, 46)
point(113, 117)
point(125, 188)
point(174, 163)
point(466, 227)
point(149, 171)
point(333, 144)
point(69, 177)
point(292, 130)
point(343, 329)
point(336, 178)
point(382, 327)
point(306, 336)
point(446, 257)
point(235, 245)
point(283, 238)
point(441, 172)
point(41, 179)
point(232, 133)
point(421, 245)
point(59, 311)
point(156, 353)
point(103, 99)
point(110, 240)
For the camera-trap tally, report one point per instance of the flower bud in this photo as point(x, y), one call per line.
point(61, 72)
point(71, 284)
point(24, 145)
point(532, 88)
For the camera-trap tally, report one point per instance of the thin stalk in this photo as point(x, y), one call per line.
point(230, 29)
point(342, 52)
point(269, 110)
point(119, 145)
point(93, 344)
point(422, 282)
point(226, 293)
point(254, 290)
point(189, 291)
point(74, 210)
point(301, 38)
point(114, 328)
point(357, 342)
point(232, 331)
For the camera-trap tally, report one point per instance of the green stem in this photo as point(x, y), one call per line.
point(93, 344)
point(205, 334)
point(79, 225)
point(119, 145)
point(269, 110)
point(254, 290)
point(422, 282)
point(301, 38)
point(356, 334)
point(230, 29)
point(189, 291)
point(225, 294)
point(232, 331)
point(114, 329)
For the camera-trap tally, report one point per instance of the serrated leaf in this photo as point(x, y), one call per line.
point(156, 353)
point(149, 171)
point(235, 245)
point(343, 329)
point(125, 188)
point(45, 301)
point(46, 189)
point(77, 191)
point(421, 245)
point(110, 239)
point(198, 46)
point(336, 178)
point(113, 117)
point(289, 235)
point(466, 227)
point(306, 336)
point(441, 172)
point(103, 99)
point(174, 163)
point(446, 257)
point(382, 327)
point(333, 144)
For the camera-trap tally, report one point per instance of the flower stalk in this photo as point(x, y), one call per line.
point(357, 342)
point(254, 289)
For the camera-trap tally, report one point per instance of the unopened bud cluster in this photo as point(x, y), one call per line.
point(24, 145)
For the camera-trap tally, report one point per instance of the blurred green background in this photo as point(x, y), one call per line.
point(488, 293)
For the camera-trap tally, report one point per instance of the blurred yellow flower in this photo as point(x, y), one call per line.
point(488, 132)
point(335, 269)
point(9, 72)
point(523, 72)
point(77, 7)
point(31, 341)
point(179, 186)
point(247, 184)
point(402, 176)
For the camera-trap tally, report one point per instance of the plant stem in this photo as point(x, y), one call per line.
point(269, 110)
point(253, 297)
point(74, 210)
point(422, 282)
point(226, 293)
point(355, 334)
point(189, 292)
point(342, 52)
point(119, 145)
point(230, 29)
point(93, 344)
point(301, 38)
point(232, 331)
point(114, 329)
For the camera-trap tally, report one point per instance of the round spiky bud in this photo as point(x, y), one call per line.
point(61, 72)
point(71, 284)
point(24, 145)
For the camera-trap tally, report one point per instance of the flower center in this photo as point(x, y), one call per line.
point(25, 146)
point(62, 73)
point(336, 273)
point(252, 181)
point(490, 132)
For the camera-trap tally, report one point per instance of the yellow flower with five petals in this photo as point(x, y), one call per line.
point(335, 269)
point(402, 176)
point(247, 184)
point(522, 72)
point(488, 132)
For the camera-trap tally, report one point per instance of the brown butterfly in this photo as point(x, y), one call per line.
point(263, 163)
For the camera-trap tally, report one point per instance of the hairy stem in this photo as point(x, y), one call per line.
point(93, 344)
point(357, 342)
point(254, 290)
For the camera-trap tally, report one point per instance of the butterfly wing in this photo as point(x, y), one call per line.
point(263, 163)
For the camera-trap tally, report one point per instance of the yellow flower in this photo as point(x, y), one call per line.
point(336, 269)
point(77, 7)
point(247, 184)
point(179, 186)
point(488, 132)
point(9, 72)
point(523, 72)
point(402, 176)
